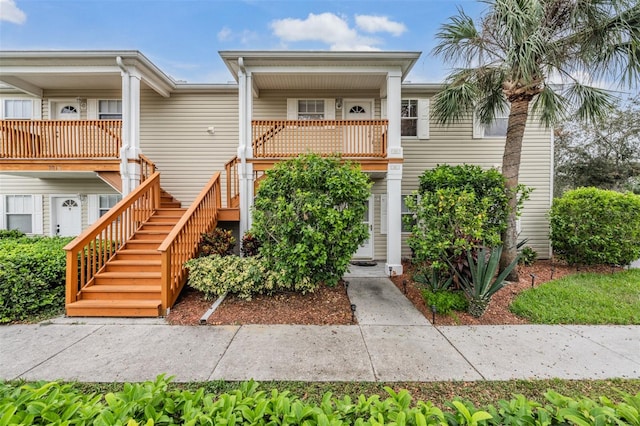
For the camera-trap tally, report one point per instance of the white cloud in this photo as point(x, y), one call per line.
point(327, 28)
point(10, 12)
point(224, 34)
point(375, 24)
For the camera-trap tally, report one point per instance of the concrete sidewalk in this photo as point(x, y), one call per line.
point(392, 342)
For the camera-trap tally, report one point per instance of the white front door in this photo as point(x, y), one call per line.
point(357, 137)
point(365, 251)
point(66, 219)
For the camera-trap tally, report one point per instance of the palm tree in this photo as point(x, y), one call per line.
point(538, 57)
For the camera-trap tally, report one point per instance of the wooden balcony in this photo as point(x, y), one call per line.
point(70, 145)
point(351, 139)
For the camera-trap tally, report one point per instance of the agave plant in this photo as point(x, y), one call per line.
point(483, 283)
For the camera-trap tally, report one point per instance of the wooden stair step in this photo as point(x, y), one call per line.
point(128, 278)
point(134, 265)
point(143, 244)
point(114, 308)
point(121, 292)
point(148, 235)
point(137, 254)
point(158, 226)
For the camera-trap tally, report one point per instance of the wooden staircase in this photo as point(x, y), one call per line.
point(129, 285)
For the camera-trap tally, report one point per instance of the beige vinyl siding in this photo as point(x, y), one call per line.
point(52, 187)
point(173, 134)
point(455, 145)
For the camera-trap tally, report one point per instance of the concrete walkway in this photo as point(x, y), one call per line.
point(392, 342)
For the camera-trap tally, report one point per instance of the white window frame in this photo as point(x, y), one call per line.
point(329, 108)
point(93, 206)
point(421, 118)
point(34, 108)
point(100, 113)
point(35, 207)
point(480, 130)
point(404, 211)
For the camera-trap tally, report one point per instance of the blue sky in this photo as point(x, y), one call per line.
point(183, 37)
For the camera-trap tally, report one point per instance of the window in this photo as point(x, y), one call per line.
point(409, 117)
point(408, 217)
point(311, 109)
point(19, 213)
point(21, 109)
point(497, 129)
point(110, 109)
point(106, 202)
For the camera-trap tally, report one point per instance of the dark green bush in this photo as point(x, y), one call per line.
point(528, 256)
point(445, 301)
point(11, 233)
point(308, 217)
point(219, 241)
point(592, 226)
point(32, 276)
point(456, 209)
point(250, 245)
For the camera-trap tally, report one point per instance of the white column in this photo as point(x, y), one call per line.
point(129, 170)
point(394, 175)
point(245, 170)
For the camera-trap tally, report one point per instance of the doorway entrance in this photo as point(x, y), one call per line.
point(66, 217)
point(365, 251)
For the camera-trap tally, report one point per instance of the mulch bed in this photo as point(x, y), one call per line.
point(331, 306)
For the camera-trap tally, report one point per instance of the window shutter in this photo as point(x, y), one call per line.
point(92, 109)
point(383, 214)
point(3, 212)
point(330, 109)
point(292, 109)
point(37, 217)
point(423, 118)
point(93, 208)
point(383, 108)
point(478, 128)
point(37, 109)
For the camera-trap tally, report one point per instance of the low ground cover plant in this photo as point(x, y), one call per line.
point(591, 226)
point(32, 277)
point(583, 299)
point(156, 403)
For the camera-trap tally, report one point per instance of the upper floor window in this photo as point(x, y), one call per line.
point(311, 109)
point(21, 109)
point(496, 129)
point(409, 117)
point(110, 109)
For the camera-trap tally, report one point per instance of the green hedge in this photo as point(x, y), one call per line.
point(32, 276)
point(153, 403)
point(591, 226)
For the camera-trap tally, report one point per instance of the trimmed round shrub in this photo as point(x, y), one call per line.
point(308, 218)
point(591, 226)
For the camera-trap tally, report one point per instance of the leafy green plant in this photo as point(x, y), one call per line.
point(593, 226)
point(32, 277)
point(250, 245)
point(308, 217)
point(483, 283)
point(445, 301)
point(528, 256)
point(242, 276)
point(435, 278)
point(11, 234)
point(219, 241)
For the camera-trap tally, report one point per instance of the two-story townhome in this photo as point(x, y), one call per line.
point(104, 145)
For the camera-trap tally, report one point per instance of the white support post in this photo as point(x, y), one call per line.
point(126, 120)
point(394, 175)
point(134, 131)
point(245, 150)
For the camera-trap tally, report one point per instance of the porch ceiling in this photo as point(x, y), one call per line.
point(318, 81)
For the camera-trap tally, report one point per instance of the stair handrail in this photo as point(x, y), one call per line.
point(147, 167)
point(182, 242)
point(87, 254)
point(233, 186)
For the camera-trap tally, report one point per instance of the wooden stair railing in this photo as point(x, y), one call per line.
point(89, 252)
point(233, 185)
point(182, 242)
point(147, 167)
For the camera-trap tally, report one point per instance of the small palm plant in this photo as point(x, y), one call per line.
point(483, 283)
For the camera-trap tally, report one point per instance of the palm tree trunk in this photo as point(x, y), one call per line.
point(511, 170)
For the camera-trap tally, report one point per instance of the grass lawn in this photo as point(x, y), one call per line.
point(583, 299)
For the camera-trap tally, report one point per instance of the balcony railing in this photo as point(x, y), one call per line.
point(60, 139)
point(349, 138)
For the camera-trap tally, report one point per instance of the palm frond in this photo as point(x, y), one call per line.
point(592, 103)
point(457, 99)
point(550, 106)
point(459, 40)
